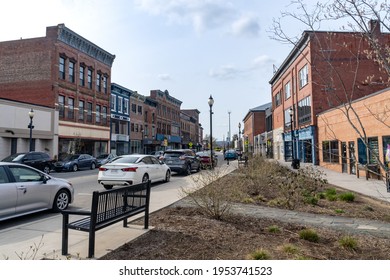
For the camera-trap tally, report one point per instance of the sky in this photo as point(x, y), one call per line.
point(192, 48)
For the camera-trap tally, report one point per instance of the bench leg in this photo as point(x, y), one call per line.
point(91, 245)
point(65, 234)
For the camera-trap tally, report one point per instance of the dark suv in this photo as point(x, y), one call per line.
point(38, 160)
point(182, 161)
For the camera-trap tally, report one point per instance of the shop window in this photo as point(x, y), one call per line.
point(372, 152)
point(330, 151)
point(386, 150)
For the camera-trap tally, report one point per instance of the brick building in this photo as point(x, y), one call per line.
point(68, 73)
point(341, 146)
point(150, 142)
point(168, 119)
point(254, 124)
point(190, 129)
point(323, 70)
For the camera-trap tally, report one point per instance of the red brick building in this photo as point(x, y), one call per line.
point(66, 72)
point(324, 70)
point(341, 146)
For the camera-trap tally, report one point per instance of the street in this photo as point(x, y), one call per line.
point(22, 237)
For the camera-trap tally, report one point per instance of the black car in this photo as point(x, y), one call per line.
point(38, 160)
point(75, 162)
point(182, 161)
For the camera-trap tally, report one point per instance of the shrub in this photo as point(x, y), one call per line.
point(274, 229)
point(348, 242)
point(309, 235)
point(290, 249)
point(347, 196)
point(339, 211)
point(260, 255)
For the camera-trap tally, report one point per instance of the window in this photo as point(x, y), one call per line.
point(113, 102)
point(304, 110)
point(90, 78)
point(62, 68)
point(89, 112)
point(287, 91)
point(3, 175)
point(373, 151)
point(71, 71)
point(139, 110)
point(120, 103)
point(24, 174)
point(330, 151)
point(104, 114)
point(287, 120)
point(125, 106)
point(82, 70)
point(104, 84)
point(134, 108)
point(70, 108)
point(98, 82)
point(61, 106)
point(98, 113)
point(277, 99)
point(303, 76)
point(81, 110)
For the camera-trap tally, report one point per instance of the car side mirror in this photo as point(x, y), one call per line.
point(45, 178)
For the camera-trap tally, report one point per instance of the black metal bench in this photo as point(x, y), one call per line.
point(108, 207)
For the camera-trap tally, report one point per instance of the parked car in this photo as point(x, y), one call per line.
point(157, 154)
point(25, 190)
point(182, 161)
point(230, 155)
point(205, 159)
point(38, 160)
point(75, 162)
point(133, 169)
point(104, 158)
point(239, 153)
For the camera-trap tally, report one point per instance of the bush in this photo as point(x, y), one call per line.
point(274, 229)
point(260, 255)
point(348, 242)
point(347, 196)
point(290, 249)
point(309, 235)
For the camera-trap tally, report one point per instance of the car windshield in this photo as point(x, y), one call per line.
point(15, 157)
point(131, 159)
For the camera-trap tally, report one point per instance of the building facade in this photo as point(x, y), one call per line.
point(120, 119)
point(190, 129)
point(319, 73)
point(168, 119)
point(343, 148)
point(65, 72)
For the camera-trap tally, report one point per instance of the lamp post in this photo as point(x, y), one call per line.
point(211, 103)
point(229, 135)
point(239, 136)
point(30, 126)
point(294, 162)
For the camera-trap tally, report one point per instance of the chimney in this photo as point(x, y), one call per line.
point(374, 26)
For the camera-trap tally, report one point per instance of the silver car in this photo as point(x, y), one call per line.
point(25, 190)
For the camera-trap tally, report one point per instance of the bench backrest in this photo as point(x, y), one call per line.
point(113, 204)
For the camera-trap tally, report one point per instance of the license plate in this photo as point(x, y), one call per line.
point(169, 161)
point(114, 171)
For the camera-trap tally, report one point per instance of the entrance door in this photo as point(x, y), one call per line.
point(308, 154)
point(352, 157)
point(344, 165)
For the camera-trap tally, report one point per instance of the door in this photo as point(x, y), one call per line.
point(32, 193)
point(344, 165)
point(352, 157)
point(160, 172)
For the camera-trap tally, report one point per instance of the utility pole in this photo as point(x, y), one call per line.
point(229, 139)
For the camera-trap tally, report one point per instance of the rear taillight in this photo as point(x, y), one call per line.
point(129, 169)
point(102, 169)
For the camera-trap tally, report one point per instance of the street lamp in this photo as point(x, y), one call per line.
point(30, 126)
point(294, 162)
point(229, 134)
point(239, 136)
point(211, 103)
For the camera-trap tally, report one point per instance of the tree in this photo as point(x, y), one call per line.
point(363, 18)
point(206, 141)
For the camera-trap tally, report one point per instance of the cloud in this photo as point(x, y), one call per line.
point(225, 72)
point(164, 77)
point(262, 61)
point(246, 26)
point(202, 15)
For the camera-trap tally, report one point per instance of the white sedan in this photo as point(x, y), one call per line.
point(132, 169)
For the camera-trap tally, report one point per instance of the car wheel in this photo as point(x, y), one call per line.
point(75, 168)
point(46, 169)
point(93, 165)
point(168, 176)
point(145, 178)
point(107, 187)
point(61, 201)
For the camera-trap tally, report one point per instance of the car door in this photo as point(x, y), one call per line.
point(8, 195)
point(149, 167)
point(32, 193)
point(158, 169)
